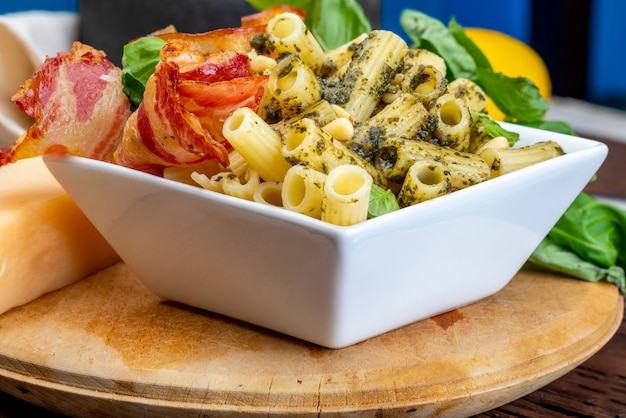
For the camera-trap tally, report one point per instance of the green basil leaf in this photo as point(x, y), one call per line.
point(472, 49)
point(594, 230)
point(382, 201)
point(493, 128)
point(139, 60)
point(552, 126)
point(429, 33)
point(517, 97)
point(553, 257)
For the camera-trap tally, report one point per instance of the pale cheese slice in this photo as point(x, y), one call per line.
point(46, 242)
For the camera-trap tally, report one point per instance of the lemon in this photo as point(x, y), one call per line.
point(513, 58)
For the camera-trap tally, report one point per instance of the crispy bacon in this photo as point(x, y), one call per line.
point(78, 104)
point(212, 103)
point(185, 104)
point(165, 133)
point(228, 39)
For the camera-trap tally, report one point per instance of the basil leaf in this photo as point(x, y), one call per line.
point(594, 230)
point(429, 33)
point(552, 126)
point(493, 129)
point(139, 60)
point(553, 257)
point(382, 201)
point(456, 30)
point(517, 97)
point(332, 22)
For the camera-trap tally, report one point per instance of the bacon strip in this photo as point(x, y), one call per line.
point(185, 104)
point(228, 39)
point(78, 104)
point(212, 103)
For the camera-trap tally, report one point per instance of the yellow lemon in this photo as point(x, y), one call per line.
point(513, 58)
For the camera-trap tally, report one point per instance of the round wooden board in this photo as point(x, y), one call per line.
point(107, 346)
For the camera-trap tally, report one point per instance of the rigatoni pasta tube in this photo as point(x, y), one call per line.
point(454, 122)
point(233, 185)
point(302, 191)
point(471, 93)
point(342, 54)
point(426, 82)
point(419, 56)
point(304, 142)
point(321, 112)
point(425, 180)
point(506, 161)
point(397, 155)
point(406, 116)
point(257, 142)
point(288, 34)
point(294, 85)
point(269, 193)
point(346, 195)
point(373, 65)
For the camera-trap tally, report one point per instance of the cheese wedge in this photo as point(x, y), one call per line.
point(46, 242)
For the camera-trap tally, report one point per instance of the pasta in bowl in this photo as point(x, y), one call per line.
point(328, 284)
point(277, 147)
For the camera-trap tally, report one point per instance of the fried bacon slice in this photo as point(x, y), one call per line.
point(227, 39)
point(212, 103)
point(77, 102)
point(185, 104)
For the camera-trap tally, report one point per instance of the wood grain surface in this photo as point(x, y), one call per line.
point(107, 347)
point(611, 177)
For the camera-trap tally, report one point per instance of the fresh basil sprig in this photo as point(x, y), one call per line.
point(587, 242)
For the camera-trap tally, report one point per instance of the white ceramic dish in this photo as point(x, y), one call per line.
point(330, 285)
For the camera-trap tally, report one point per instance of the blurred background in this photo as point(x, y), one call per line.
point(581, 41)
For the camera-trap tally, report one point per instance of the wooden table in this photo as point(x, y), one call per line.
point(597, 387)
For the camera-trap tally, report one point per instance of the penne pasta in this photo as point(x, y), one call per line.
point(241, 187)
point(302, 190)
point(506, 161)
point(425, 180)
point(404, 117)
point(269, 193)
point(342, 55)
point(346, 195)
point(257, 142)
point(288, 34)
point(454, 122)
point(304, 142)
point(426, 82)
point(372, 67)
point(418, 56)
point(321, 112)
point(207, 182)
point(294, 86)
point(237, 163)
point(397, 155)
point(472, 95)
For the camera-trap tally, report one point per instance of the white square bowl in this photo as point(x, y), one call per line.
point(330, 285)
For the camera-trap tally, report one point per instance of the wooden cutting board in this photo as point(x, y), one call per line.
point(106, 346)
